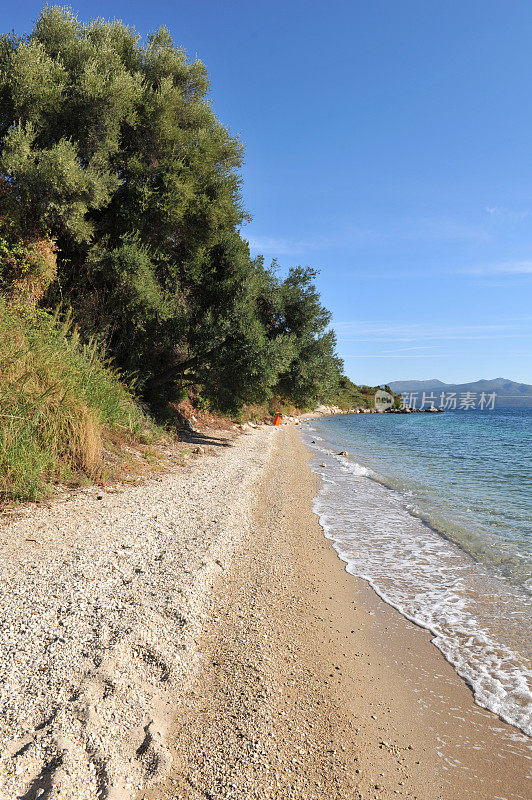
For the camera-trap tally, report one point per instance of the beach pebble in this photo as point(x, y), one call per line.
point(101, 602)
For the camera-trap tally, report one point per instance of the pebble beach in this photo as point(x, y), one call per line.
point(102, 597)
point(197, 636)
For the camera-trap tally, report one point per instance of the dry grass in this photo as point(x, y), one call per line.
point(57, 397)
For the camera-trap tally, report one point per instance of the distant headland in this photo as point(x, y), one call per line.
point(508, 393)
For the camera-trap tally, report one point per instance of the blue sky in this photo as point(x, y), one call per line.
point(389, 144)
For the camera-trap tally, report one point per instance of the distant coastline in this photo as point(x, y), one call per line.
point(508, 393)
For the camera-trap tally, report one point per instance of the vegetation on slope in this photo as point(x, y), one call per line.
point(120, 204)
point(58, 402)
point(111, 150)
point(348, 395)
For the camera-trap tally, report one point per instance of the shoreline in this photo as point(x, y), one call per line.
point(198, 636)
point(311, 686)
point(435, 538)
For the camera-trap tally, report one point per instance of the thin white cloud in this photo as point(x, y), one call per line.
point(397, 332)
point(271, 245)
point(417, 347)
point(280, 245)
point(386, 355)
point(499, 212)
point(407, 229)
point(507, 269)
point(503, 268)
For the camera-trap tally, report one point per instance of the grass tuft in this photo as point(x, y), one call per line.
point(58, 399)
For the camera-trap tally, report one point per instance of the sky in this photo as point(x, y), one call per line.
point(388, 145)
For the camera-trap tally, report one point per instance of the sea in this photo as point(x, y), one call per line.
point(434, 512)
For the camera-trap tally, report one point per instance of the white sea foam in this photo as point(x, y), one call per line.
point(475, 619)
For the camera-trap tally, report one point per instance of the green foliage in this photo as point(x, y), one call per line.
point(110, 150)
point(56, 398)
point(27, 267)
point(314, 371)
point(349, 395)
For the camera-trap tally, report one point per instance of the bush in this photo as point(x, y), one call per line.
point(110, 149)
point(58, 398)
point(28, 265)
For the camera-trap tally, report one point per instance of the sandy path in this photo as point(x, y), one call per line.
point(102, 597)
point(311, 687)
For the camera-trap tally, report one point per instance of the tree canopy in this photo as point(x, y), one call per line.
point(111, 152)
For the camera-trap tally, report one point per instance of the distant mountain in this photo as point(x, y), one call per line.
point(416, 386)
point(509, 393)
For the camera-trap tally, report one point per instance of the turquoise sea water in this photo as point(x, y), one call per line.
point(434, 511)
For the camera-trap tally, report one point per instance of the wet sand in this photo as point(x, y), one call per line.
point(309, 686)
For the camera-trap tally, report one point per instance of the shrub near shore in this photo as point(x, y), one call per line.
point(110, 149)
point(59, 402)
point(121, 200)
